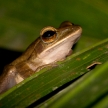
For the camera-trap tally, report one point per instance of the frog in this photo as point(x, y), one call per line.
point(52, 45)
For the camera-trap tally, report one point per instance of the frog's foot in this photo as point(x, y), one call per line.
point(48, 66)
point(70, 53)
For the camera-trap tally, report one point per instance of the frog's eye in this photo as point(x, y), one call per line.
point(65, 23)
point(48, 35)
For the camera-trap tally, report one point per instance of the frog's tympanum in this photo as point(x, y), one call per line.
point(53, 44)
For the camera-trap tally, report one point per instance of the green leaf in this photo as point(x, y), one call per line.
point(46, 81)
point(20, 24)
point(86, 91)
point(102, 103)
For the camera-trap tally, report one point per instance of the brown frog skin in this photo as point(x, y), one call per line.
point(51, 46)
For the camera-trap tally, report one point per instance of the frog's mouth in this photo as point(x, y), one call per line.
point(70, 38)
point(74, 45)
point(60, 50)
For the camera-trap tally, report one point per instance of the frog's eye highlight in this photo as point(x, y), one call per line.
point(48, 35)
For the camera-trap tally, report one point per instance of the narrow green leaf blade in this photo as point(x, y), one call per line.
point(85, 92)
point(46, 81)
